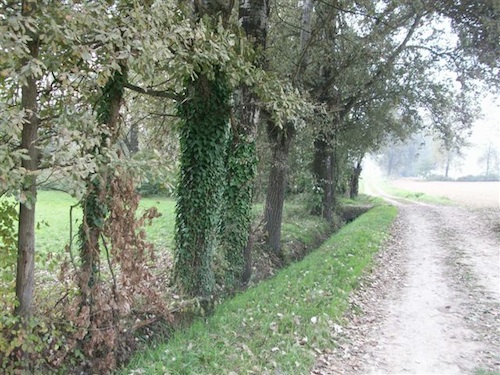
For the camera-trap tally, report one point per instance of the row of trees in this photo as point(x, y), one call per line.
point(326, 82)
point(425, 156)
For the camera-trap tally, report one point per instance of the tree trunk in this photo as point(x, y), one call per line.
point(204, 115)
point(132, 140)
point(323, 172)
point(254, 16)
point(305, 36)
point(242, 158)
point(280, 140)
point(241, 171)
point(390, 163)
point(488, 160)
point(26, 234)
point(354, 182)
point(329, 188)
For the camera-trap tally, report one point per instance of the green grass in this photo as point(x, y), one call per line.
point(485, 372)
point(53, 223)
point(299, 225)
point(414, 196)
point(161, 233)
point(52, 232)
point(276, 326)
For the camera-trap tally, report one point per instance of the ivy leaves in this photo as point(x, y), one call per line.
point(203, 136)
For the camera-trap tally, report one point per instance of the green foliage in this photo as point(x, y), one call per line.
point(489, 177)
point(86, 50)
point(8, 256)
point(204, 130)
point(237, 214)
point(277, 325)
point(29, 347)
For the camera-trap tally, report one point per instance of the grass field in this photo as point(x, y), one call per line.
point(53, 221)
point(54, 229)
point(474, 194)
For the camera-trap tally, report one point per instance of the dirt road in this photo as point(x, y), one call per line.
point(432, 303)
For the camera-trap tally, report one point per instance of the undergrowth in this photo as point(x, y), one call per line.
point(281, 324)
point(301, 230)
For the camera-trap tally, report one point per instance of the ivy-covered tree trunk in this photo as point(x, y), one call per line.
point(204, 115)
point(354, 182)
point(242, 158)
point(280, 140)
point(241, 170)
point(25, 277)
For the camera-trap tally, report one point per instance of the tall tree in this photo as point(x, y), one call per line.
point(366, 71)
point(477, 25)
point(280, 138)
point(26, 234)
point(242, 157)
point(204, 127)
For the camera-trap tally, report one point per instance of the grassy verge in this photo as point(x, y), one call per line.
point(485, 372)
point(280, 324)
point(413, 195)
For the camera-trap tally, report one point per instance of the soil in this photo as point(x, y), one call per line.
point(431, 304)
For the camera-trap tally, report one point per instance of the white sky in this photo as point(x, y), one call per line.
point(485, 131)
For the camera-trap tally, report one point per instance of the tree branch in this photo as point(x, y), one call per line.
point(150, 92)
point(382, 69)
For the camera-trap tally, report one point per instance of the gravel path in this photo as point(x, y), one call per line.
point(431, 304)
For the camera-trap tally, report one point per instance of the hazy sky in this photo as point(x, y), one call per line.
point(486, 131)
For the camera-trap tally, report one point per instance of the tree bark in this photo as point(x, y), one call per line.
point(488, 158)
point(26, 234)
point(448, 162)
point(241, 170)
point(390, 162)
point(323, 171)
point(254, 16)
point(242, 158)
point(354, 182)
point(132, 140)
point(305, 37)
point(280, 140)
